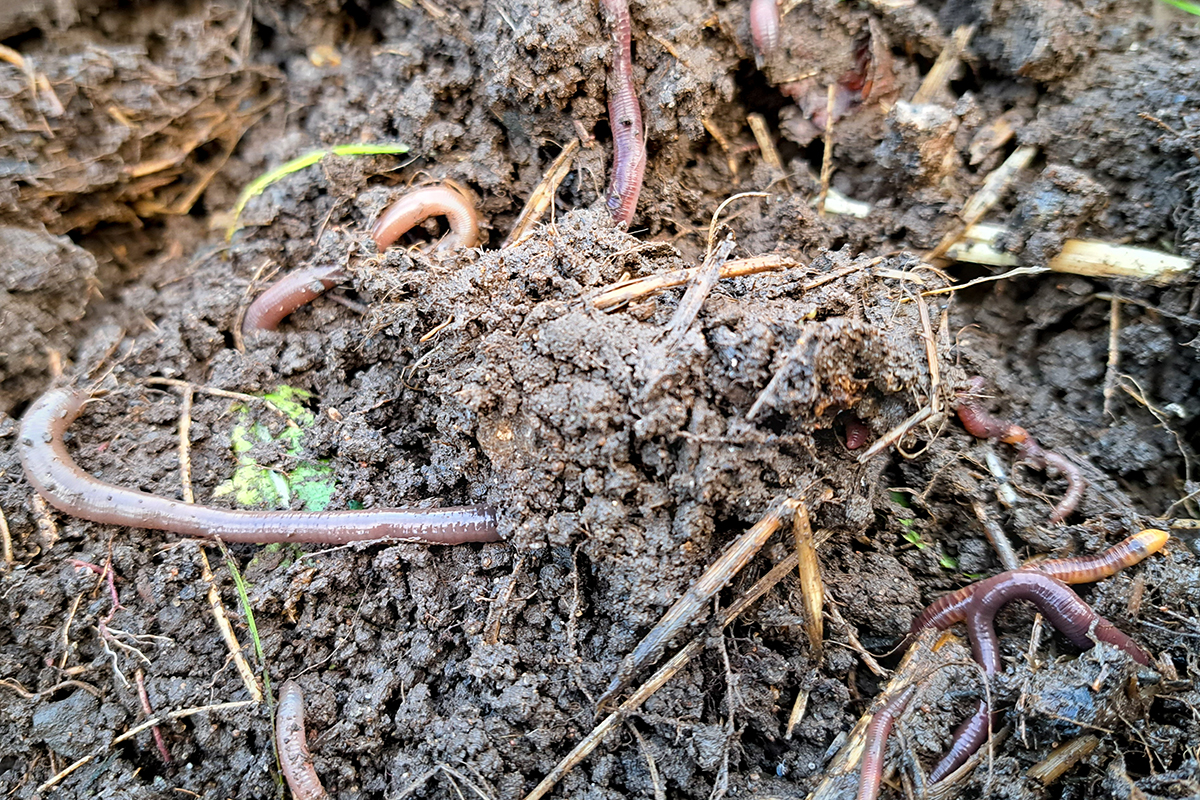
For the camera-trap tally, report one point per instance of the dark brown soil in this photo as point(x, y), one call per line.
point(622, 460)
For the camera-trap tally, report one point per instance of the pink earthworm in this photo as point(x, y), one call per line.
point(287, 294)
point(625, 117)
point(447, 199)
point(875, 743)
point(981, 424)
point(292, 745)
point(57, 478)
point(764, 27)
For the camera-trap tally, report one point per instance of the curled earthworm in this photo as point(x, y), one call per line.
point(1063, 608)
point(856, 432)
point(980, 424)
point(290, 742)
point(875, 743)
point(764, 26)
point(58, 479)
point(447, 199)
point(625, 117)
point(951, 608)
point(287, 294)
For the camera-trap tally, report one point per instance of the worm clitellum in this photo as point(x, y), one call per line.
point(287, 294)
point(625, 117)
point(58, 479)
point(292, 745)
point(447, 199)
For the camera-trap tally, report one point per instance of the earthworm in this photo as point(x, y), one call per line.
point(1062, 607)
point(1058, 604)
point(1089, 569)
point(966, 740)
point(287, 294)
point(875, 744)
point(446, 199)
point(290, 741)
point(625, 117)
point(58, 479)
point(980, 424)
point(1032, 452)
point(764, 26)
point(856, 432)
point(951, 608)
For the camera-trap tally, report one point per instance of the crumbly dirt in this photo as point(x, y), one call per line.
point(619, 448)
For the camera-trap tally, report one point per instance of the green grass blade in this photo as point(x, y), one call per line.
point(260, 184)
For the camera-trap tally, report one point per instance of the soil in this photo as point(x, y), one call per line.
point(618, 447)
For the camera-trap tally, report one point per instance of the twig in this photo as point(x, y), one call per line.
point(812, 588)
point(798, 709)
point(206, 574)
point(895, 434)
point(939, 75)
point(542, 196)
point(618, 294)
point(827, 158)
point(655, 781)
point(996, 535)
point(656, 682)
point(64, 773)
point(931, 356)
point(501, 605)
point(766, 145)
point(712, 224)
point(693, 299)
point(6, 549)
point(1114, 356)
point(1078, 257)
point(986, 278)
point(248, 398)
point(723, 141)
point(692, 604)
point(993, 188)
point(180, 714)
point(836, 615)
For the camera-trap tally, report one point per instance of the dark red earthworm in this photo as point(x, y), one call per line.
point(292, 745)
point(58, 479)
point(981, 424)
point(625, 117)
point(966, 740)
point(875, 743)
point(764, 26)
point(951, 608)
point(1063, 608)
point(856, 432)
point(945, 611)
point(447, 199)
point(287, 294)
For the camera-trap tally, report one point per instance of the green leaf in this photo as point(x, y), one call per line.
point(255, 485)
